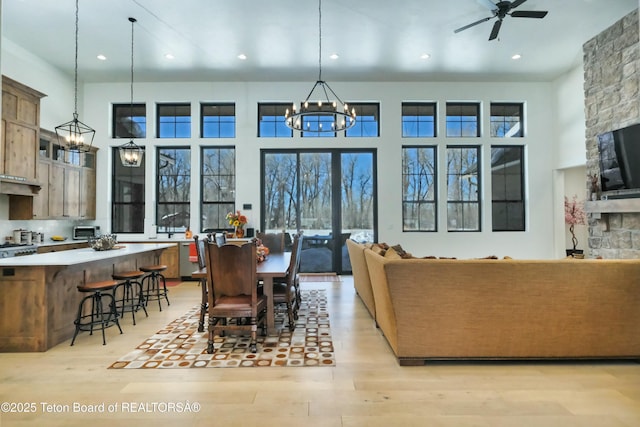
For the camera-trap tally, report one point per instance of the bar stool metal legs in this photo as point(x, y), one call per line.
point(131, 299)
point(156, 285)
point(98, 318)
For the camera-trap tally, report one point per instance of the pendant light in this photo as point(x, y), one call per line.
point(75, 135)
point(312, 111)
point(130, 153)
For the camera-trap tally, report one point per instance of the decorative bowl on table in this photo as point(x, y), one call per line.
point(103, 243)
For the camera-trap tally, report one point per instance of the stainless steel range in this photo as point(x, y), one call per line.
point(8, 250)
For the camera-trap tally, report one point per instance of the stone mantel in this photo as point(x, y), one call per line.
point(613, 206)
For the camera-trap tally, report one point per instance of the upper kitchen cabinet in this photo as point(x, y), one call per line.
point(20, 130)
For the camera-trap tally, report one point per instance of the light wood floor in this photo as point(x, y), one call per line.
point(366, 388)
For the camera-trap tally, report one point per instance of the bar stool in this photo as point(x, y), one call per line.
point(130, 300)
point(98, 317)
point(155, 291)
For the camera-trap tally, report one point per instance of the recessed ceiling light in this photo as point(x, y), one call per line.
point(516, 56)
point(425, 56)
point(169, 56)
point(334, 56)
point(101, 57)
point(242, 56)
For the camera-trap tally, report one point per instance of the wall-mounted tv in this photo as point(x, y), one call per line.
point(620, 160)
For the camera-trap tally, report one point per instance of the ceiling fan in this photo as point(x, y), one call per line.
point(501, 10)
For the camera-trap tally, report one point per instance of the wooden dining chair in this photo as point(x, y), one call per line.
point(285, 290)
point(201, 275)
point(274, 241)
point(234, 303)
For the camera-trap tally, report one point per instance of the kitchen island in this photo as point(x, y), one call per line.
point(39, 297)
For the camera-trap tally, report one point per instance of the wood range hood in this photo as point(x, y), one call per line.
point(17, 186)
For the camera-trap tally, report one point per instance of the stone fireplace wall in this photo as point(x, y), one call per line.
point(612, 101)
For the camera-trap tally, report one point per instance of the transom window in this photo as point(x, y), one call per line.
point(173, 171)
point(463, 119)
point(271, 122)
point(507, 188)
point(317, 125)
point(217, 120)
point(367, 120)
point(507, 120)
point(129, 121)
point(463, 188)
point(174, 121)
point(419, 189)
point(419, 120)
point(218, 186)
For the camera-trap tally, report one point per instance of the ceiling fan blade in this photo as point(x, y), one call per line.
point(488, 4)
point(517, 3)
point(529, 14)
point(472, 24)
point(495, 30)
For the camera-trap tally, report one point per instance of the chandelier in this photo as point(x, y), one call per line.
point(75, 135)
point(321, 114)
point(130, 153)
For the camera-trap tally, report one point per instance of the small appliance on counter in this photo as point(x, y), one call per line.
point(85, 232)
point(25, 237)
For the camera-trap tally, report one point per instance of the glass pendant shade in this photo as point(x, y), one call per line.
point(131, 155)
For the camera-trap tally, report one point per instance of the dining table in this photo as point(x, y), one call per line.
point(276, 265)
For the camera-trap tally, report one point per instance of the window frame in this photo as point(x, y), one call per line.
point(159, 204)
point(175, 122)
point(433, 201)
point(453, 202)
point(119, 214)
point(419, 105)
point(521, 201)
point(203, 202)
point(277, 106)
point(204, 124)
point(519, 106)
point(461, 121)
point(127, 134)
point(360, 107)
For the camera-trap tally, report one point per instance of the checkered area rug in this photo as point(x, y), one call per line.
point(180, 345)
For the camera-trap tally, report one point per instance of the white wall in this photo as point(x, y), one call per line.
point(536, 242)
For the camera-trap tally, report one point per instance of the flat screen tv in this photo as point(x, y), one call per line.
point(620, 159)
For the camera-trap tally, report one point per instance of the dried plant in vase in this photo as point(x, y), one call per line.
point(574, 215)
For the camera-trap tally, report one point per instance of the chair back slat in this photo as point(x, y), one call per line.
point(273, 241)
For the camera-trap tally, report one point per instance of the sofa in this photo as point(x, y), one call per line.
point(440, 309)
point(361, 280)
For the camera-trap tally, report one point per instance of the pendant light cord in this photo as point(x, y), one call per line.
point(133, 21)
point(75, 81)
point(319, 40)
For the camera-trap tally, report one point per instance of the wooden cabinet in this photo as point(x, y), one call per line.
point(171, 258)
point(69, 180)
point(20, 130)
point(45, 249)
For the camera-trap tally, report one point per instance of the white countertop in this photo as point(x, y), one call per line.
point(80, 256)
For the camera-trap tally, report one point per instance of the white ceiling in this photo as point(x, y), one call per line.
point(377, 40)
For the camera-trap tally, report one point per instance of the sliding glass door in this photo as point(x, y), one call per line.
point(330, 194)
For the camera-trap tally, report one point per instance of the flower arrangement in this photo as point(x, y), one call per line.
point(237, 221)
point(574, 215)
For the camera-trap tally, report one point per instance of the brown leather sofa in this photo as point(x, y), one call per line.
point(439, 309)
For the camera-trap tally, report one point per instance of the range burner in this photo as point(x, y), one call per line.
point(8, 250)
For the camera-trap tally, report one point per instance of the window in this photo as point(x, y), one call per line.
point(128, 121)
point(463, 119)
point(463, 188)
point(313, 124)
point(419, 189)
point(419, 120)
point(506, 120)
point(507, 188)
point(174, 186)
point(271, 121)
point(218, 186)
point(128, 192)
point(367, 120)
point(217, 120)
point(174, 121)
